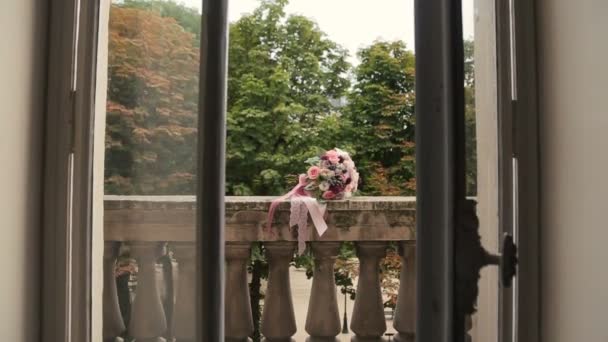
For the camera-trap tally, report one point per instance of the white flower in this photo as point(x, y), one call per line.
point(326, 173)
point(324, 186)
point(354, 179)
point(342, 153)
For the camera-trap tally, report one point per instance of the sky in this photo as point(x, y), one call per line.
point(353, 23)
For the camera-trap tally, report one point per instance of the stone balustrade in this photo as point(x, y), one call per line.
point(158, 232)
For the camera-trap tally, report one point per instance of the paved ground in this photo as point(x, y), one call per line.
point(300, 287)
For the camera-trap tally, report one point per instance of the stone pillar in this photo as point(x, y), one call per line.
point(323, 317)
point(169, 276)
point(148, 321)
point(368, 322)
point(184, 316)
point(239, 320)
point(113, 324)
point(278, 318)
point(405, 313)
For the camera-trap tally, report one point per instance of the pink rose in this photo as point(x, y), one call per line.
point(313, 172)
point(332, 156)
point(328, 195)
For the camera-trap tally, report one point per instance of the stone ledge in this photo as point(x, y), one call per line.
point(172, 218)
point(256, 202)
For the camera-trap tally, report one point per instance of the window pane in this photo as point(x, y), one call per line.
point(305, 77)
point(150, 170)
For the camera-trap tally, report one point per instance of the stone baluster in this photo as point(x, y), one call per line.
point(323, 317)
point(148, 321)
point(405, 313)
point(169, 276)
point(278, 318)
point(184, 317)
point(113, 324)
point(368, 322)
point(239, 319)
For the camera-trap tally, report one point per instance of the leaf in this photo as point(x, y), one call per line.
point(313, 161)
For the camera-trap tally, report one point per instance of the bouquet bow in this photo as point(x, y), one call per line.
point(301, 205)
point(331, 176)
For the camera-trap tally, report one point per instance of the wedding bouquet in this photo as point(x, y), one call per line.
point(330, 176)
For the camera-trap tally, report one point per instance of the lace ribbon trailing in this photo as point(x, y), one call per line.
point(301, 205)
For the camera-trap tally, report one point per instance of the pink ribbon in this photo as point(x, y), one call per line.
point(273, 206)
point(299, 213)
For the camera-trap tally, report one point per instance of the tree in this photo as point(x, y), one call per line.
point(188, 18)
point(283, 74)
point(469, 117)
point(381, 112)
point(152, 104)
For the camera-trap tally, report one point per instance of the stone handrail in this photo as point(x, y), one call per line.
point(163, 308)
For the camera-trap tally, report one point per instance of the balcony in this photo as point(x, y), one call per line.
point(158, 232)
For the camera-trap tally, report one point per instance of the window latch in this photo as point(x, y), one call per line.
point(471, 257)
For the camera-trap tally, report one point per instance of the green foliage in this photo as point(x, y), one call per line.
point(287, 87)
point(346, 269)
point(283, 73)
point(469, 117)
point(152, 104)
point(381, 112)
point(188, 18)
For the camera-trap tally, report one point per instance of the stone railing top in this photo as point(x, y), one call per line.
point(172, 218)
point(257, 202)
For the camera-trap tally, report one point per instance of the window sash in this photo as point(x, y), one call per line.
point(440, 164)
point(68, 171)
point(211, 170)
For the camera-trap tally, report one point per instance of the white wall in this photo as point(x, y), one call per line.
point(573, 70)
point(22, 86)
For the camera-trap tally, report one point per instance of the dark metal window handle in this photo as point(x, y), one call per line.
point(507, 261)
point(471, 257)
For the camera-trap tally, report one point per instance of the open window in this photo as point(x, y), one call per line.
point(142, 242)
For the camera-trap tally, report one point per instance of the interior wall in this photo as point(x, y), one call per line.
point(22, 88)
point(573, 77)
